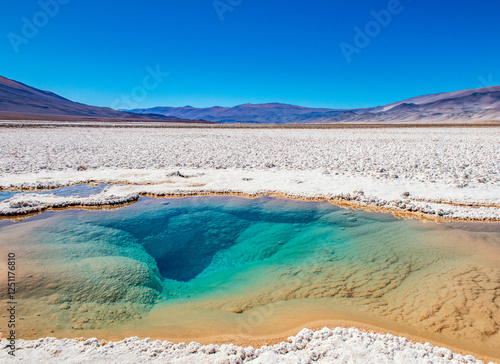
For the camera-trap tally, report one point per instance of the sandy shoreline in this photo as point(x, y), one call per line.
point(271, 338)
point(336, 345)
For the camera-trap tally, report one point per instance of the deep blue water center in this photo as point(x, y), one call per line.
point(183, 235)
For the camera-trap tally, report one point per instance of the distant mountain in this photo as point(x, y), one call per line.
point(246, 113)
point(22, 102)
point(429, 99)
point(461, 106)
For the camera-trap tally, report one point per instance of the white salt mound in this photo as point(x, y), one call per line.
point(339, 345)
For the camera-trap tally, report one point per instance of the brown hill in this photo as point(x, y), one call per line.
point(22, 102)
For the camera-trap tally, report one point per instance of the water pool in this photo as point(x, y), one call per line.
point(231, 267)
point(82, 190)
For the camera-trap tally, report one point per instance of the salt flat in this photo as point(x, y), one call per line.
point(434, 173)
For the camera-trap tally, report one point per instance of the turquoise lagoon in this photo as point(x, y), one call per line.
point(236, 269)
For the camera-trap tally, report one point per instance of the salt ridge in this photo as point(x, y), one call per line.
point(340, 345)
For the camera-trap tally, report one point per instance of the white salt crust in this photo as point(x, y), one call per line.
point(339, 345)
point(452, 173)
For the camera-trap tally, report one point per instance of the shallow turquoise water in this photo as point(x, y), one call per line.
point(82, 190)
point(184, 241)
point(96, 269)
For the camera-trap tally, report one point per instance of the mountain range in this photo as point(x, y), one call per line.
point(22, 102)
point(481, 104)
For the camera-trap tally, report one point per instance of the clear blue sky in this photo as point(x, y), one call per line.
point(262, 51)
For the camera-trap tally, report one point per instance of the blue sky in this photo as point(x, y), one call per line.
point(230, 52)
